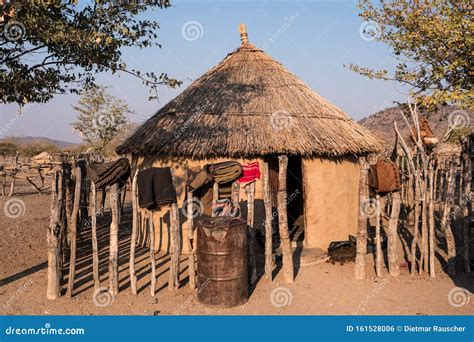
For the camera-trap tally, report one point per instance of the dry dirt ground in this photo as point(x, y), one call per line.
point(321, 289)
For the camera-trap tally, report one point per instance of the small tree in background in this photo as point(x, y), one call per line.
point(101, 117)
point(432, 41)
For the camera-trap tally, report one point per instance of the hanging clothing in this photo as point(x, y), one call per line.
point(155, 188)
point(104, 174)
point(384, 177)
point(250, 173)
point(225, 172)
point(225, 207)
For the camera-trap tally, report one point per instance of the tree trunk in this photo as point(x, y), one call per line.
point(268, 223)
point(466, 212)
point(114, 227)
point(431, 221)
point(446, 220)
point(378, 244)
point(361, 247)
point(288, 270)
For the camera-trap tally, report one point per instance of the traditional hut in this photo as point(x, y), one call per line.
point(247, 108)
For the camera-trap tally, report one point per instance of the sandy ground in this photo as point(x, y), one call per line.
point(321, 289)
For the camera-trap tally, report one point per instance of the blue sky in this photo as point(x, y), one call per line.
point(319, 37)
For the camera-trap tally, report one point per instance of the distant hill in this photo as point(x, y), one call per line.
point(381, 123)
point(28, 140)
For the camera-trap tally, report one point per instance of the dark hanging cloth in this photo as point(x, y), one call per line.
point(103, 174)
point(155, 188)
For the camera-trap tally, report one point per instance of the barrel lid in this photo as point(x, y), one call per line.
point(206, 221)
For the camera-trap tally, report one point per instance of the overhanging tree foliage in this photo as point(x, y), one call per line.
point(433, 41)
point(53, 47)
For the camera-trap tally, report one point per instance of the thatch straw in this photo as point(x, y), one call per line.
point(249, 105)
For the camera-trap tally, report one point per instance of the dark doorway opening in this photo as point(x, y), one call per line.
point(295, 203)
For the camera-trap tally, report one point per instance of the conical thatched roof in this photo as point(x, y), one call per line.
point(249, 105)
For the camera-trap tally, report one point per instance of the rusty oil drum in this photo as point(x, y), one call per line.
point(222, 261)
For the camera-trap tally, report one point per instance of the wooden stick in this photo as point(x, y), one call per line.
point(133, 239)
point(424, 226)
point(446, 221)
point(151, 227)
point(378, 244)
point(250, 192)
point(466, 212)
point(268, 223)
point(361, 247)
point(189, 237)
point(392, 236)
point(73, 230)
point(431, 221)
point(288, 270)
point(114, 228)
point(215, 195)
point(173, 283)
point(53, 239)
point(95, 248)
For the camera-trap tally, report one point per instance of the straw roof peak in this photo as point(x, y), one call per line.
point(249, 105)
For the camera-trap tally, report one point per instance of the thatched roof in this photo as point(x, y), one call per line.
point(249, 105)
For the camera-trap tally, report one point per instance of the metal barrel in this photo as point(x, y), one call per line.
point(222, 261)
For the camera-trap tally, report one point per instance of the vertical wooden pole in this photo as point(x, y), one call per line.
point(268, 223)
point(392, 235)
point(113, 252)
point(250, 192)
point(288, 270)
point(173, 283)
point(95, 248)
point(189, 237)
point(215, 195)
point(133, 239)
point(414, 242)
point(361, 247)
point(424, 225)
point(151, 227)
point(73, 230)
point(446, 220)
point(53, 239)
point(378, 244)
point(431, 220)
point(466, 210)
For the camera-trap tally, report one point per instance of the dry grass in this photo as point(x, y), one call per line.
point(246, 106)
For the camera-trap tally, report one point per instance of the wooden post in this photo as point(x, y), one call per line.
point(95, 248)
point(466, 212)
point(151, 227)
point(268, 223)
point(283, 220)
point(53, 238)
point(446, 220)
point(215, 194)
point(133, 239)
point(73, 230)
point(431, 220)
point(392, 236)
point(189, 236)
point(173, 283)
point(424, 225)
point(361, 247)
point(14, 172)
point(250, 192)
point(414, 242)
point(378, 244)
point(114, 227)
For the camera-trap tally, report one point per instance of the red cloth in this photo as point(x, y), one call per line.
point(250, 173)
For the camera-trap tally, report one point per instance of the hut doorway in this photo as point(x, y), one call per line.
point(295, 203)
